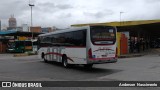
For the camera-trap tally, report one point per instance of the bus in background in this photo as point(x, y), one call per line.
point(18, 46)
point(84, 45)
point(35, 46)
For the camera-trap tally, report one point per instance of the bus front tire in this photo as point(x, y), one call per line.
point(43, 57)
point(64, 61)
point(45, 60)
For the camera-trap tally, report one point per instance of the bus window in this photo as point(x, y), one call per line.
point(80, 38)
point(75, 38)
point(103, 35)
point(28, 43)
point(19, 44)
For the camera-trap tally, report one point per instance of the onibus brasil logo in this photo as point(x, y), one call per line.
point(20, 84)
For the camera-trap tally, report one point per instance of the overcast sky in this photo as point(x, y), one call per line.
point(63, 13)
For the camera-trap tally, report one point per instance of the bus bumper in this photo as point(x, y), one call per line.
point(99, 61)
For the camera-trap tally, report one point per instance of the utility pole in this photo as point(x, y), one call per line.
point(121, 18)
point(31, 5)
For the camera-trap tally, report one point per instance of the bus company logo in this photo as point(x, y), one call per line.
point(6, 84)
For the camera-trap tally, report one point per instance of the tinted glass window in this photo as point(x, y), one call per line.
point(19, 43)
point(44, 41)
point(28, 43)
point(103, 35)
point(69, 39)
point(74, 38)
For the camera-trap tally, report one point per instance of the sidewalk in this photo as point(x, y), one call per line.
point(24, 54)
point(147, 52)
point(131, 55)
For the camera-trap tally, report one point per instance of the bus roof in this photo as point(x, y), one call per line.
point(66, 30)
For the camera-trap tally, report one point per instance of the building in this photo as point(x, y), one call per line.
point(25, 28)
point(35, 29)
point(0, 25)
point(19, 29)
point(54, 28)
point(12, 22)
point(4, 28)
point(47, 30)
point(38, 29)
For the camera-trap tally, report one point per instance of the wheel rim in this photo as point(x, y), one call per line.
point(65, 63)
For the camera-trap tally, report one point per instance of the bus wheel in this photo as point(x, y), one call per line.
point(64, 61)
point(88, 65)
point(43, 57)
point(45, 60)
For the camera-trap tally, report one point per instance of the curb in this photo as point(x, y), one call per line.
point(20, 55)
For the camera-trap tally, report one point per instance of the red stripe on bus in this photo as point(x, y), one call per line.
point(58, 54)
point(70, 59)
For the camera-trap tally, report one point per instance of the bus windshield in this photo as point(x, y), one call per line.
point(103, 35)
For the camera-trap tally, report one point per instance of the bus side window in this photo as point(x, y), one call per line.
point(80, 38)
point(84, 37)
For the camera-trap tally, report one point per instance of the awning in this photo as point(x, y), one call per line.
point(7, 32)
point(18, 33)
point(122, 23)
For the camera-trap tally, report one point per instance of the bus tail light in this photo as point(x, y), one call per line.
point(116, 53)
point(90, 53)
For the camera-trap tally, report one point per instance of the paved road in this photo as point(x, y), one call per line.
point(31, 68)
point(146, 68)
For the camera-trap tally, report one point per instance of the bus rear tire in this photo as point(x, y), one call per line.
point(88, 65)
point(64, 61)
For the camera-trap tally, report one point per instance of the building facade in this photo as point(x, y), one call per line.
point(0, 25)
point(12, 22)
point(35, 29)
point(47, 30)
point(25, 28)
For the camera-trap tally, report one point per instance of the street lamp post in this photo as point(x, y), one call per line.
point(121, 17)
point(31, 5)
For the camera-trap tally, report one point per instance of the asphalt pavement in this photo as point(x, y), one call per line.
point(30, 68)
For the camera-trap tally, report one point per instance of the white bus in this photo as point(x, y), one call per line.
point(83, 45)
